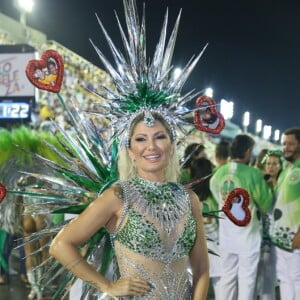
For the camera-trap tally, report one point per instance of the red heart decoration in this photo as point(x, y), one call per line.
point(2, 192)
point(236, 207)
point(207, 118)
point(47, 72)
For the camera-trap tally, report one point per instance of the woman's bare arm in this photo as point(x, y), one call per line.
point(64, 246)
point(104, 211)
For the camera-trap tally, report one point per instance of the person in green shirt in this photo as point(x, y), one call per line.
point(285, 226)
point(240, 246)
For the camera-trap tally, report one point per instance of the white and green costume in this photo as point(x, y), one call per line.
point(285, 223)
point(239, 175)
point(286, 213)
point(240, 246)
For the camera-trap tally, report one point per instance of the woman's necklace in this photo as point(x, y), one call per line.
point(154, 192)
point(165, 202)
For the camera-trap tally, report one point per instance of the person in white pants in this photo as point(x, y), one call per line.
point(285, 222)
point(240, 246)
point(288, 273)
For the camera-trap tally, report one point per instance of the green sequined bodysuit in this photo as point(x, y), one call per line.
point(154, 237)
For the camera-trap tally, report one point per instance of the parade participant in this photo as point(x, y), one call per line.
point(222, 151)
point(259, 158)
point(285, 222)
point(240, 246)
point(191, 153)
point(152, 237)
point(201, 171)
point(155, 224)
point(272, 166)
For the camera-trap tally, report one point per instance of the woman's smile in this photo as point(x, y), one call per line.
point(153, 157)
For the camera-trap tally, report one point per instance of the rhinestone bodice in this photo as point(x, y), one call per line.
point(154, 237)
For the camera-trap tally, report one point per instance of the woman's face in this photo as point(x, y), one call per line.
point(150, 148)
point(273, 166)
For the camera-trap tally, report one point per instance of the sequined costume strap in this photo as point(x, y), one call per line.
point(125, 194)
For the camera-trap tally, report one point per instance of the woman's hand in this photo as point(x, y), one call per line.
point(128, 287)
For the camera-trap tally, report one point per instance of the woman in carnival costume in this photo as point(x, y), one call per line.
point(155, 224)
point(143, 231)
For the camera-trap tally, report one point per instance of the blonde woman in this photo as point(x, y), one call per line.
point(155, 224)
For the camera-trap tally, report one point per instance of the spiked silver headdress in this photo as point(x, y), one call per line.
point(141, 87)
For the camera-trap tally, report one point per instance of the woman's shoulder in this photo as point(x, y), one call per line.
point(193, 196)
point(112, 193)
point(120, 190)
point(116, 188)
point(196, 204)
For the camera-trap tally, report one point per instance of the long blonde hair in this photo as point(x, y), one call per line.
point(126, 166)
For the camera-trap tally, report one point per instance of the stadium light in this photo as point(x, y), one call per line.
point(246, 120)
point(226, 109)
point(267, 131)
point(276, 135)
point(258, 126)
point(25, 6)
point(209, 92)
